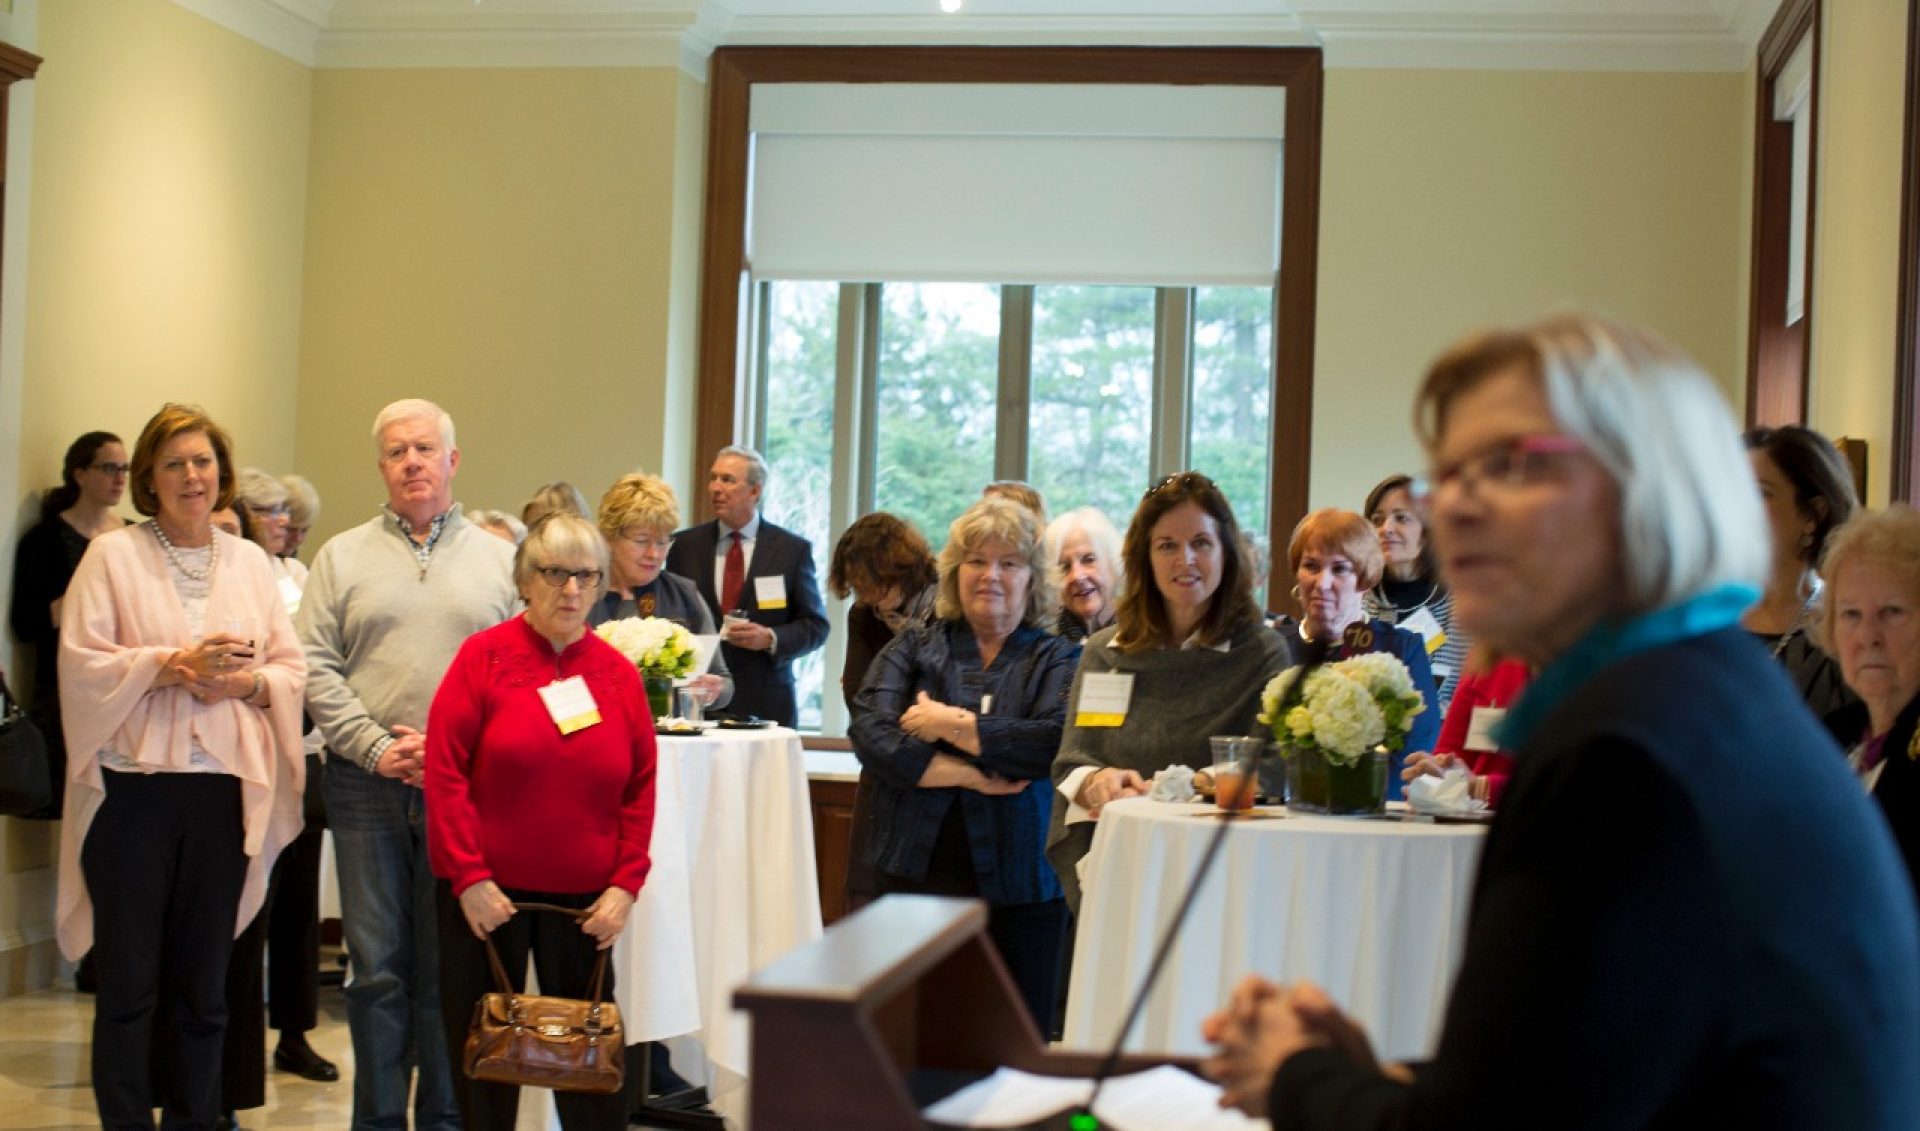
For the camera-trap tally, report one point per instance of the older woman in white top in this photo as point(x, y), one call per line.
point(181, 685)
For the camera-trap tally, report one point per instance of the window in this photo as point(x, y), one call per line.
point(1111, 405)
point(923, 362)
point(1786, 116)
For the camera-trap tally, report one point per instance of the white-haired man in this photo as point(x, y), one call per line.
point(388, 605)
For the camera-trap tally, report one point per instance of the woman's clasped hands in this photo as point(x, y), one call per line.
point(214, 668)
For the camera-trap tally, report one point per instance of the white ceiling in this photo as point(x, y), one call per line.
point(1716, 35)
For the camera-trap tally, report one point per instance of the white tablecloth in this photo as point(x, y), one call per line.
point(1373, 911)
point(732, 888)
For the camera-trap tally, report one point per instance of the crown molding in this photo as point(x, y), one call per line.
point(1694, 35)
point(290, 27)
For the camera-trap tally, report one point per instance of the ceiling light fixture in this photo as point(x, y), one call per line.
point(950, 6)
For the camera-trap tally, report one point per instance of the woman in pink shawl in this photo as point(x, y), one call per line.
point(180, 688)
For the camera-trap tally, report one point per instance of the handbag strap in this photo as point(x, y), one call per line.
point(595, 992)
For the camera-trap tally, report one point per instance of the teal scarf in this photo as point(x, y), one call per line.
point(1610, 641)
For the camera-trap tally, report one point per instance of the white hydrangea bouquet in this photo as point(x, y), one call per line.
point(658, 647)
point(1345, 720)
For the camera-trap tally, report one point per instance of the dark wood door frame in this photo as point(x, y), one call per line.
point(1777, 353)
point(724, 282)
point(1905, 464)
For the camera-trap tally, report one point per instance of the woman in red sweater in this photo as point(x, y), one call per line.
point(539, 783)
point(1480, 700)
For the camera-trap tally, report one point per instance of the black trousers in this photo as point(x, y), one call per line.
point(1027, 935)
point(293, 934)
point(164, 864)
point(563, 956)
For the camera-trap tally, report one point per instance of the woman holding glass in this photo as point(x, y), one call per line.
point(181, 684)
point(1190, 643)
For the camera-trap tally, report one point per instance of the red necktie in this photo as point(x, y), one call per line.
point(736, 574)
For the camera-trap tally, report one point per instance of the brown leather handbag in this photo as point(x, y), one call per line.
point(547, 1042)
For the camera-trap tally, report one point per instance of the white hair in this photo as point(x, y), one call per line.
point(1690, 512)
point(756, 464)
point(1101, 535)
point(413, 408)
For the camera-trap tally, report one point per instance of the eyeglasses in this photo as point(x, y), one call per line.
point(114, 470)
point(1190, 480)
point(1507, 465)
point(279, 511)
point(558, 578)
point(645, 542)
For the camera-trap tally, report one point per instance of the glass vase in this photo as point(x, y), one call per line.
point(1317, 785)
point(659, 695)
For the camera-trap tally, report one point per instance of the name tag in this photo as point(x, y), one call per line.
point(1480, 728)
point(1103, 699)
point(1427, 625)
point(290, 595)
point(570, 704)
point(770, 592)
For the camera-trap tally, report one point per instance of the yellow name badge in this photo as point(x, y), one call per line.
point(1428, 626)
point(770, 592)
point(1103, 699)
point(570, 704)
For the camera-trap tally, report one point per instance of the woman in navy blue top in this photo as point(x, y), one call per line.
point(957, 719)
point(1337, 560)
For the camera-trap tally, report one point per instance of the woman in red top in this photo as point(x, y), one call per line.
point(539, 783)
point(1480, 700)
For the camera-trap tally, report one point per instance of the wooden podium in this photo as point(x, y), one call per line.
point(907, 987)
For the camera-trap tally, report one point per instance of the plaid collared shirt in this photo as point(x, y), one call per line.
point(423, 550)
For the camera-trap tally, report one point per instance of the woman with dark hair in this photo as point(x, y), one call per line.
point(1808, 492)
point(1411, 595)
point(93, 476)
point(886, 566)
point(1185, 659)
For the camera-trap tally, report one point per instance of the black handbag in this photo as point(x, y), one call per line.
point(25, 781)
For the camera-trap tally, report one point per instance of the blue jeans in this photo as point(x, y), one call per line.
point(386, 906)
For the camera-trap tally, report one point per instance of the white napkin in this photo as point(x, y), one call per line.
point(1450, 794)
point(1175, 783)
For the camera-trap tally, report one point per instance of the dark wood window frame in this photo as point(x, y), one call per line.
point(1777, 354)
point(724, 281)
point(1905, 466)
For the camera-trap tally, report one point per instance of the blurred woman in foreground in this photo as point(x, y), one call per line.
point(1686, 913)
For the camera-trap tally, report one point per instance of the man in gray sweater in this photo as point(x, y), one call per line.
point(388, 604)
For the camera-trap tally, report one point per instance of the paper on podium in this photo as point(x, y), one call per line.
point(1159, 1099)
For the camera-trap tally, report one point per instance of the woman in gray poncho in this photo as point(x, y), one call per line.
point(1185, 659)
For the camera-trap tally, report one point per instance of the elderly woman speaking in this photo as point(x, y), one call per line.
point(180, 684)
point(539, 780)
point(957, 719)
point(1871, 622)
point(1686, 914)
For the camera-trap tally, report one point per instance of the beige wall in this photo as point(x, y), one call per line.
point(502, 242)
point(170, 179)
point(1457, 199)
point(165, 168)
point(1857, 227)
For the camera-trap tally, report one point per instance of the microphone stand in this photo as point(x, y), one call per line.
point(1084, 1120)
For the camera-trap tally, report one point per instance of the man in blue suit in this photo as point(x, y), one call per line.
point(762, 576)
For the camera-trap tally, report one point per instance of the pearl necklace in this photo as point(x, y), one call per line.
point(213, 554)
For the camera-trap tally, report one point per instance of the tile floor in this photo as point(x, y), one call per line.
point(45, 1083)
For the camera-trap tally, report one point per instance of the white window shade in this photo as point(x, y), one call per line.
point(1171, 186)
